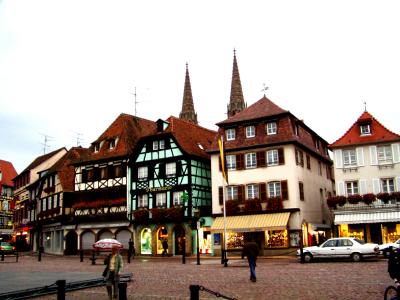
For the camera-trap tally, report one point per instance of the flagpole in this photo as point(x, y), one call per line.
point(224, 203)
point(224, 182)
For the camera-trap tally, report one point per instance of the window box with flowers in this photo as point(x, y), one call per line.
point(354, 199)
point(141, 216)
point(396, 196)
point(174, 214)
point(158, 215)
point(384, 197)
point(274, 203)
point(252, 205)
point(368, 198)
point(232, 207)
point(49, 189)
point(336, 200)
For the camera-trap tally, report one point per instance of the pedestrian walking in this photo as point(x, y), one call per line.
point(394, 265)
point(131, 249)
point(251, 250)
point(165, 247)
point(112, 272)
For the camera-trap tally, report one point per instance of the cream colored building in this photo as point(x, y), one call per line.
point(367, 161)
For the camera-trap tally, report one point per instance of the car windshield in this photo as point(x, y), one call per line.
point(360, 241)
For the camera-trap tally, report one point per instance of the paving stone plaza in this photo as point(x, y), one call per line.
point(167, 278)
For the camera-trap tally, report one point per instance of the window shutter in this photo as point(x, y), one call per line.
point(239, 161)
point(110, 171)
point(373, 155)
point(296, 155)
point(241, 197)
point(221, 195)
point(340, 188)
point(260, 159)
point(338, 159)
point(284, 190)
point(396, 153)
point(376, 187)
point(281, 156)
point(263, 191)
point(178, 168)
point(363, 186)
point(96, 174)
point(398, 183)
point(161, 170)
point(360, 156)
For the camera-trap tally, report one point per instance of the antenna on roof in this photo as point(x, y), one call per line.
point(265, 88)
point(78, 138)
point(136, 102)
point(365, 106)
point(47, 139)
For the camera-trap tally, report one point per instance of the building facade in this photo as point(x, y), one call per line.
point(367, 172)
point(7, 173)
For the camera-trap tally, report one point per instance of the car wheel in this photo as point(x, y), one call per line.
point(307, 257)
point(356, 257)
point(386, 253)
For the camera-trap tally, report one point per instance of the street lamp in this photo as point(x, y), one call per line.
point(196, 218)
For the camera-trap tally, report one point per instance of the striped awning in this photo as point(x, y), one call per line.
point(364, 217)
point(275, 221)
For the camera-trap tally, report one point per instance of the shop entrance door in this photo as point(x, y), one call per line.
point(376, 235)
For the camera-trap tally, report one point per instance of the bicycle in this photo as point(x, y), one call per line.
point(392, 292)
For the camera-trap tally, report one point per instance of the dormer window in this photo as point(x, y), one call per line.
point(111, 144)
point(271, 128)
point(161, 144)
point(155, 145)
point(250, 131)
point(230, 134)
point(365, 129)
point(96, 147)
point(158, 145)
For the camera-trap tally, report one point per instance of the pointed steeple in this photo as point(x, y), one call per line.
point(188, 112)
point(236, 103)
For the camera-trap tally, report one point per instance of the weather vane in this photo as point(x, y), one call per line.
point(265, 88)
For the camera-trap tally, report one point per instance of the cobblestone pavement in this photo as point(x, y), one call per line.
point(167, 278)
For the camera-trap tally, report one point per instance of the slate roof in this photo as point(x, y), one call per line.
point(128, 129)
point(190, 136)
point(379, 133)
point(257, 114)
point(8, 173)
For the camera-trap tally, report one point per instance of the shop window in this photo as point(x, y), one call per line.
point(145, 241)
point(276, 238)
point(234, 240)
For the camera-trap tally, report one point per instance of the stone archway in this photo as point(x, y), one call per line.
point(71, 243)
point(87, 240)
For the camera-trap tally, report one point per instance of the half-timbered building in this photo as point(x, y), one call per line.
point(98, 206)
point(170, 188)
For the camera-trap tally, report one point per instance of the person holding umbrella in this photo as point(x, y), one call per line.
point(113, 270)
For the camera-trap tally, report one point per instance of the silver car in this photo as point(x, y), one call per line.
point(344, 247)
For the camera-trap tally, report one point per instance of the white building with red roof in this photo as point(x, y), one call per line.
point(367, 173)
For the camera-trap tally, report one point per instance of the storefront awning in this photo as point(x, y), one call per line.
point(276, 221)
point(372, 217)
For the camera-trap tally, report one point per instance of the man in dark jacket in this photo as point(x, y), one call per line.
point(394, 265)
point(250, 249)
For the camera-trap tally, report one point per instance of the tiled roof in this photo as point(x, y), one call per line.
point(261, 109)
point(191, 137)
point(66, 172)
point(41, 159)
point(257, 114)
point(379, 133)
point(8, 173)
point(128, 129)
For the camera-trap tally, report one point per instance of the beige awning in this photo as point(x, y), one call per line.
point(363, 217)
point(275, 221)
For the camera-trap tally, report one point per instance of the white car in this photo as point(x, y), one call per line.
point(385, 248)
point(343, 247)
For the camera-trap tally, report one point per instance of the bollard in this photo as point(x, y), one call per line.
point(129, 257)
point(2, 256)
point(93, 258)
point(60, 289)
point(184, 252)
point(122, 290)
point(194, 292)
point(16, 256)
point(81, 255)
point(40, 253)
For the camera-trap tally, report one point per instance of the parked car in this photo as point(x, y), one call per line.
point(6, 248)
point(385, 248)
point(344, 247)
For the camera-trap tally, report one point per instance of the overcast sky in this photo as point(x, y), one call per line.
point(69, 68)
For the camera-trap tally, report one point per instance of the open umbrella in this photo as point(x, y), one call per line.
point(106, 244)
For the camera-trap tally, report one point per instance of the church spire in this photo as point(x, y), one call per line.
point(188, 112)
point(236, 103)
